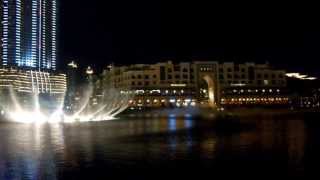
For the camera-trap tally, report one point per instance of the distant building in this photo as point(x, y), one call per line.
point(200, 84)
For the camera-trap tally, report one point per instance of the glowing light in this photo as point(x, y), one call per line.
point(155, 91)
point(300, 76)
point(139, 92)
point(237, 85)
point(73, 64)
point(89, 71)
point(178, 85)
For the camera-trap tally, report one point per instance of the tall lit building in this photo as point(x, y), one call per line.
point(28, 47)
point(29, 34)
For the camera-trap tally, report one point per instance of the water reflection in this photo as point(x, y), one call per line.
point(28, 151)
point(56, 151)
point(188, 124)
point(172, 126)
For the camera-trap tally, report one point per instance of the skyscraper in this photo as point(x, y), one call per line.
point(28, 34)
point(28, 47)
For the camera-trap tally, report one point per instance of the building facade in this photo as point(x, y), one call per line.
point(200, 84)
point(29, 34)
point(252, 84)
point(29, 81)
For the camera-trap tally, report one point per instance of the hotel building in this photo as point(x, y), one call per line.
point(200, 84)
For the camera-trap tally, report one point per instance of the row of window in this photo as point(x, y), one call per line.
point(147, 83)
point(250, 100)
point(221, 70)
point(177, 76)
point(250, 91)
point(163, 92)
point(258, 82)
point(177, 68)
point(170, 76)
point(145, 76)
point(243, 76)
point(273, 76)
point(206, 69)
point(221, 76)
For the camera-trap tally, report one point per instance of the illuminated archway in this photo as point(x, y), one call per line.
point(211, 90)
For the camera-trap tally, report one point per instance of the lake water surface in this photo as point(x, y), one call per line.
point(161, 148)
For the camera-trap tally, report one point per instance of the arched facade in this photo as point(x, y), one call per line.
point(207, 72)
point(211, 90)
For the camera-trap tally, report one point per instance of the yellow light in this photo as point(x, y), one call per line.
point(300, 76)
point(178, 85)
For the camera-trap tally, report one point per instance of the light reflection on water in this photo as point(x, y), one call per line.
point(54, 151)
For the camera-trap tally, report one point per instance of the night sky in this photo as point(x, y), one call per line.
point(98, 32)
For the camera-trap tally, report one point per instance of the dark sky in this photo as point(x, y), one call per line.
point(98, 32)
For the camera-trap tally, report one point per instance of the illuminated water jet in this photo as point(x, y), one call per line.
point(87, 106)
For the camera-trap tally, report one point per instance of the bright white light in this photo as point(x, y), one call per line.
point(73, 64)
point(89, 71)
point(27, 117)
point(300, 76)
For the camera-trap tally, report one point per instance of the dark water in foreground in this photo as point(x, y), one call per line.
point(163, 148)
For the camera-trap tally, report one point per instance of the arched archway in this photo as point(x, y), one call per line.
point(210, 90)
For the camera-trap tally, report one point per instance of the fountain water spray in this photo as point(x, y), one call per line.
point(87, 106)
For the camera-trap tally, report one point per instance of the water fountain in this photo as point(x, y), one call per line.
point(87, 106)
